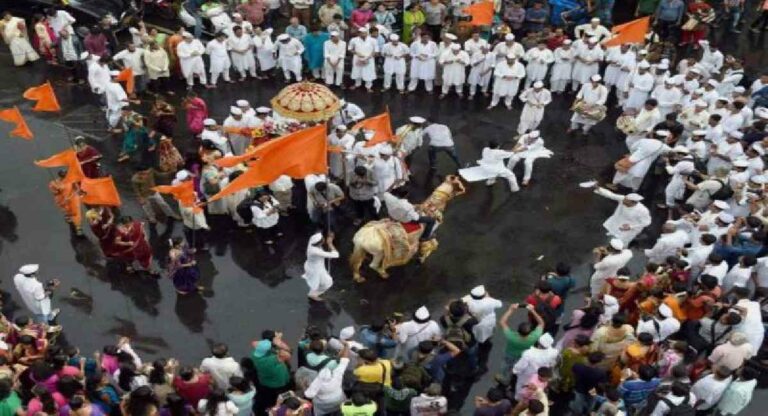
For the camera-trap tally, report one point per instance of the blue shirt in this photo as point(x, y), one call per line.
point(635, 392)
point(670, 11)
point(296, 32)
point(376, 342)
point(536, 14)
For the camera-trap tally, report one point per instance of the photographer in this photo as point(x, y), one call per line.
point(380, 338)
point(35, 295)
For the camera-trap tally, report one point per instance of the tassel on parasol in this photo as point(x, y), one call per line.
point(306, 101)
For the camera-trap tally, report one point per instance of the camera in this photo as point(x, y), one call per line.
point(464, 18)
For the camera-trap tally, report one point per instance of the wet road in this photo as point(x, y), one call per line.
point(489, 236)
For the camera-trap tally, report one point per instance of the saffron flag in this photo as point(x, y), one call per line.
point(481, 13)
point(13, 115)
point(297, 155)
point(100, 191)
point(45, 97)
point(68, 159)
point(126, 75)
point(183, 192)
point(381, 125)
point(231, 161)
point(630, 32)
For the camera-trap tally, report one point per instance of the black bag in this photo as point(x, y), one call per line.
point(682, 409)
point(244, 210)
point(725, 192)
point(455, 332)
point(547, 312)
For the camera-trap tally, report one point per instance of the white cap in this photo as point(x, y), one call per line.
point(509, 36)
point(713, 83)
point(263, 110)
point(242, 103)
point(455, 47)
point(616, 244)
point(538, 84)
point(757, 148)
point(759, 179)
point(347, 333)
point(533, 134)
point(478, 291)
point(267, 32)
point(725, 217)
point(84, 55)
point(665, 310)
point(596, 78)
point(450, 36)
point(284, 36)
point(634, 197)
point(341, 127)
point(681, 149)
point(386, 151)
point(235, 111)
point(342, 102)
point(739, 89)
point(209, 122)
point(643, 52)
point(114, 73)
point(335, 33)
point(741, 163)
point(700, 103)
point(182, 175)
point(664, 66)
point(609, 300)
point(695, 70)
point(417, 120)
point(644, 65)
point(422, 313)
point(546, 340)
point(723, 99)
point(699, 132)
point(663, 133)
point(363, 29)
point(761, 112)
point(29, 269)
point(567, 42)
point(187, 35)
point(593, 39)
point(736, 134)
point(315, 238)
point(237, 15)
point(393, 37)
point(719, 204)
point(595, 20)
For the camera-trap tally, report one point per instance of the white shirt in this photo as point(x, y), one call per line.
point(717, 270)
point(398, 209)
point(709, 390)
point(439, 135)
point(261, 216)
point(133, 60)
point(411, 333)
point(221, 369)
point(667, 327)
point(32, 294)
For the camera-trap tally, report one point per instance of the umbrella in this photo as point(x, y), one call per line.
point(306, 101)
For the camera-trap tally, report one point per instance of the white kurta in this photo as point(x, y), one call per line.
point(640, 85)
point(411, 333)
point(644, 122)
point(219, 57)
point(592, 96)
point(529, 364)
point(454, 65)
point(265, 51)
point(15, 33)
point(394, 57)
point(484, 310)
point(563, 64)
point(335, 163)
point(423, 60)
point(490, 166)
point(533, 111)
point(116, 97)
point(317, 276)
point(363, 64)
point(644, 153)
point(388, 172)
point(239, 142)
point(667, 245)
point(668, 98)
point(472, 46)
point(482, 69)
point(507, 78)
point(587, 63)
point(636, 217)
point(538, 61)
point(289, 56)
point(241, 49)
point(333, 59)
point(191, 58)
point(502, 49)
point(613, 69)
point(607, 267)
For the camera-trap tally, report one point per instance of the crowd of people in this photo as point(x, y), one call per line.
point(684, 335)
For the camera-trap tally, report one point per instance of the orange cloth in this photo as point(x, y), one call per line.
point(183, 192)
point(100, 191)
point(68, 159)
point(230, 161)
point(67, 198)
point(381, 125)
point(126, 75)
point(297, 155)
point(13, 115)
point(45, 97)
point(630, 32)
point(481, 12)
point(677, 310)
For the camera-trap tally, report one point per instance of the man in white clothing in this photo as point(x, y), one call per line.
point(410, 333)
point(241, 48)
point(116, 99)
point(491, 166)
point(483, 307)
point(587, 62)
point(334, 52)
point(402, 211)
point(539, 59)
point(454, 62)
point(644, 121)
point(190, 52)
point(640, 86)
point(670, 241)
point(530, 146)
point(133, 57)
point(502, 49)
point(233, 127)
point(475, 43)
point(608, 261)
point(395, 54)
point(535, 100)
point(218, 52)
point(643, 153)
point(591, 94)
point(289, 52)
point(423, 62)
point(592, 29)
point(630, 217)
point(507, 75)
point(660, 327)
point(364, 50)
point(563, 67)
point(482, 63)
point(348, 113)
point(35, 296)
point(668, 96)
point(221, 366)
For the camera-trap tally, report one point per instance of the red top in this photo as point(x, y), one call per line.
point(193, 391)
point(554, 300)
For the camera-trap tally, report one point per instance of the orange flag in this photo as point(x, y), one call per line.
point(481, 13)
point(13, 115)
point(45, 97)
point(230, 161)
point(297, 155)
point(630, 32)
point(68, 159)
point(126, 75)
point(100, 191)
point(381, 125)
point(183, 192)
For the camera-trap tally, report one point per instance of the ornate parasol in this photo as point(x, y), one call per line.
point(306, 101)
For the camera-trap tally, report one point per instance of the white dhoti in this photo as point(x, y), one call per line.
point(193, 66)
point(530, 118)
point(22, 51)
